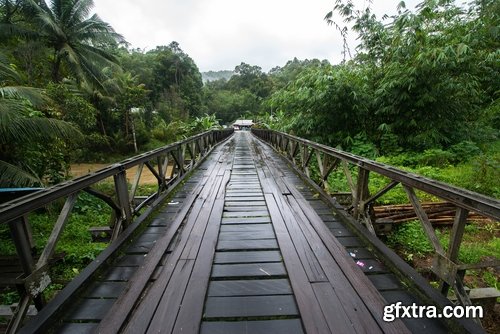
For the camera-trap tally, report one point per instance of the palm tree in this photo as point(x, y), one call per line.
point(79, 41)
point(21, 124)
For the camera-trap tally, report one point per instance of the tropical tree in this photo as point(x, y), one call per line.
point(80, 42)
point(23, 125)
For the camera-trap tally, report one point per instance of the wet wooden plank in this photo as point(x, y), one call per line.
point(310, 310)
point(251, 203)
point(341, 232)
point(385, 282)
point(246, 228)
point(165, 314)
point(119, 273)
point(370, 297)
point(247, 235)
point(350, 241)
point(131, 260)
point(357, 253)
point(264, 287)
point(246, 220)
point(248, 270)
point(253, 306)
point(337, 318)
point(106, 289)
point(76, 328)
point(257, 197)
point(247, 214)
point(244, 207)
point(262, 244)
point(90, 309)
point(286, 326)
point(247, 257)
point(190, 311)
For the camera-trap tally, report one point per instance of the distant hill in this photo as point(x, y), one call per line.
point(216, 75)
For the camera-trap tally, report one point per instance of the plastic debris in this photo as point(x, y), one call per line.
point(352, 254)
point(361, 264)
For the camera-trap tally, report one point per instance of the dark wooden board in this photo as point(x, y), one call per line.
point(258, 306)
point(105, 289)
point(248, 235)
point(385, 282)
point(161, 221)
point(231, 245)
point(341, 232)
point(164, 317)
point(263, 287)
point(286, 326)
point(335, 315)
point(371, 266)
point(244, 207)
point(328, 217)
point(76, 328)
point(247, 257)
point(350, 241)
point(333, 224)
point(359, 253)
point(236, 192)
point(119, 273)
point(248, 270)
point(190, 311)
point(314, 320)
point(155, 229)
point(90, 309)
point(246, 198)
point(247, 214)
point(250, 203)
point(130, 260)
point(246, 220)
point(246, 228)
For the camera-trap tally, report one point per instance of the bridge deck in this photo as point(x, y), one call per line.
point(244, 247)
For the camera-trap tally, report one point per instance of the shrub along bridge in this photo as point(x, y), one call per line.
point(240, 236)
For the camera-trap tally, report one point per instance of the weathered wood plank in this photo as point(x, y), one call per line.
point(247, 257)
point(287, 326)
point(310, 310)
point(265, 287)
point(262, 244)
point(246, 220)
point(253, 306)
point(247, 235)
point(248, 270)
point(190, 311)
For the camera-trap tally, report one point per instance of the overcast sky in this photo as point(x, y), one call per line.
point(220, 34)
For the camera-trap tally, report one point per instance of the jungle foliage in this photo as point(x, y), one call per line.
point(421, 89)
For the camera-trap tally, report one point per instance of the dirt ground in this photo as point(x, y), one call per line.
point(147, 177)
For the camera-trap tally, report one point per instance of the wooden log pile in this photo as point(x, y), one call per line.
point(439, 213)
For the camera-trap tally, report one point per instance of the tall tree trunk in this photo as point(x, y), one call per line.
point(56, 68)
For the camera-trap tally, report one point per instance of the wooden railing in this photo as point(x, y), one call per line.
point(168, 164)
point(306, 155)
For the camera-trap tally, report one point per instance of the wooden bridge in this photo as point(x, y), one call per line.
point(239, 239)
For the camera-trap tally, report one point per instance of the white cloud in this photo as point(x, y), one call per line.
point(220, 34)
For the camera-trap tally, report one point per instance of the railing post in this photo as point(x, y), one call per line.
point(360, 198)
point(123, 202)
point(456, 235)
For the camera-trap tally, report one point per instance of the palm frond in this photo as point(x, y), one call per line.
point(33, 95)
point(14, 176)
point(15, 127)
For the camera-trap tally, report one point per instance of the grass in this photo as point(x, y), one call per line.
point(480, 242)
point(75, 244)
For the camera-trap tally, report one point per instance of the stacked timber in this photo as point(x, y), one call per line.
point(439, 213)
